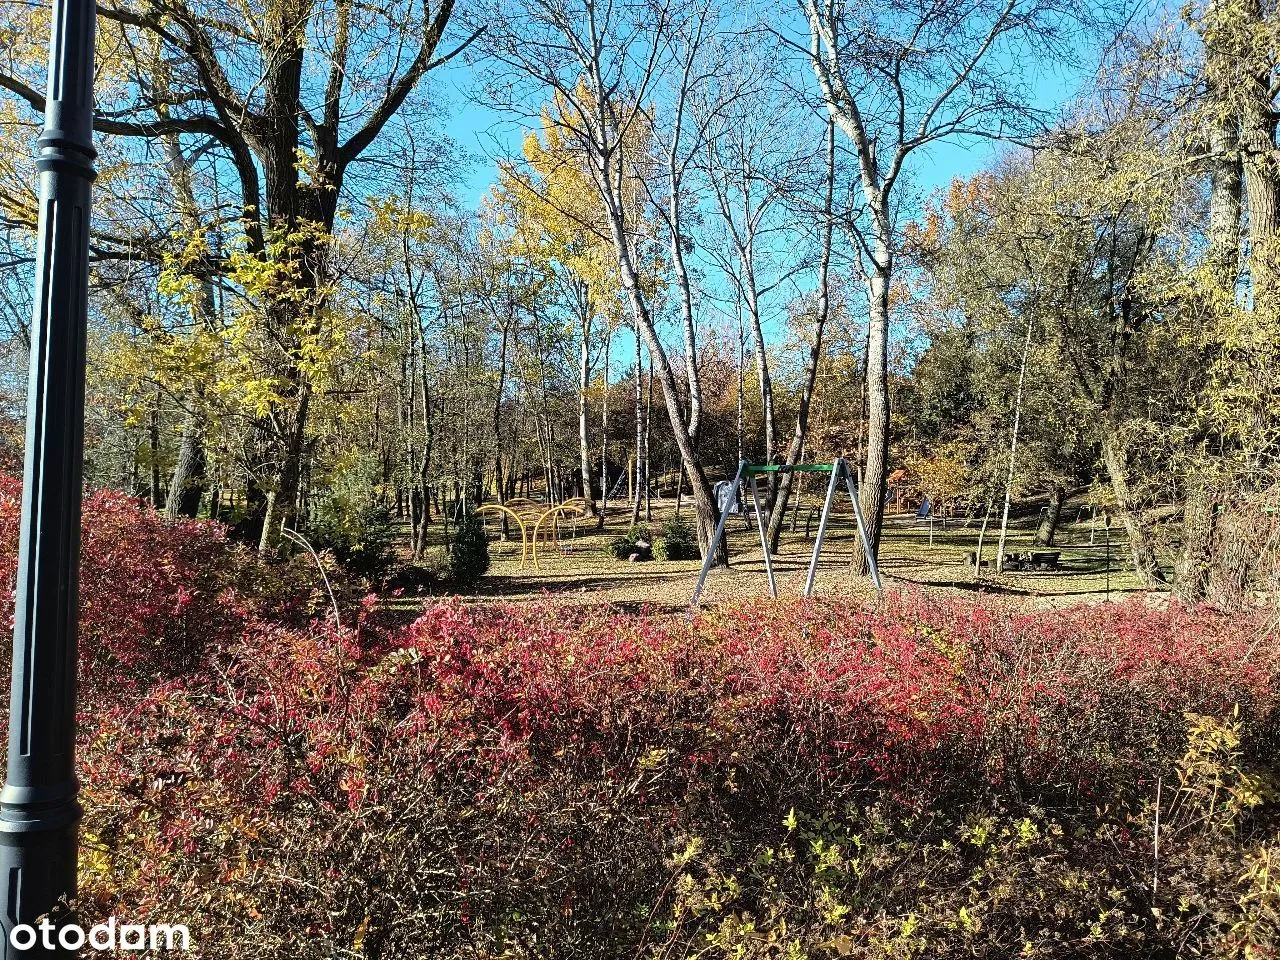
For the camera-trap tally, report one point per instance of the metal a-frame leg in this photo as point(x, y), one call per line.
point(822, 528)
point(764, 543)
point(715, 542)
point(862, 530)
point(841, 466)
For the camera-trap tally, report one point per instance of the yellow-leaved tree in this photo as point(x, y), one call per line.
point(557, 222)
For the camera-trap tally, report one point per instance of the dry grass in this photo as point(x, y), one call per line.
point(582, 569)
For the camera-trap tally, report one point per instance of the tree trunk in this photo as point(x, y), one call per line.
point(684, 432)
point(742, 362)
point(584, 386)
point(255, 510)
point(1199, 518)
point(187, 484)
point(1244, 537)
point(284, 502)
point(1052, 515)
point(1262, 190)
point(500, 392)
point(674, 201)
point(277, 149)
point(703, 500)
point(1224, 199)
point(1194, 562)
point(406, 413)
point(1143, 554)
point(648, 485)
point(428, 445)
point(796, 449)
point(1013, 447)
point(762, 369)
point(554, 494)
point(872, 492)
point(604, 437)
point(982, 536)
point(153, 447)
point(639, 464)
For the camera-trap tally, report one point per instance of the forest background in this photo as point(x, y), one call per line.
point(355, 262)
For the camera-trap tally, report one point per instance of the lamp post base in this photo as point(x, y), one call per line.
point(37, 869)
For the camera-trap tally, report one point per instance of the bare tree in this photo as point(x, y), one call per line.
point(703, 83)
point(600, 65)
point(639, 474)
point(821, 315)
point(896, 78)
point(749, 159)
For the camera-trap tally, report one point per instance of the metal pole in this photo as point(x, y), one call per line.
point(862, 530)
point(715, 541)
point(822, 530)
point(1107, 520)
point(764, 543)
point(38, 808)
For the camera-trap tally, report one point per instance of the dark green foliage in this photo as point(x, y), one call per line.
point(623, 547)
point(469, 553)
point(677, 542)
point(362, 537)
point(423, 575)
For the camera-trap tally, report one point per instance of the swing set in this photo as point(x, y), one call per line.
point(750, 472)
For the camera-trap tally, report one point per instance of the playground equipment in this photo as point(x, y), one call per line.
point(549, 521)
point(499, 510)
point(838, 469)
point(537, 520)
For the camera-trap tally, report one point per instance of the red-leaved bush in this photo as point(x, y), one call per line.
point(531, 779)
point(156, 594)
point(929, 777)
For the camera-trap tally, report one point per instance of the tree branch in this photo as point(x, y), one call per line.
point(208, 126)
point(401, 89)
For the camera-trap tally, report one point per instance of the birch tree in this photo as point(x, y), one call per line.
point(600, 65)
point(821, 315)
point(751, 154)
point(897, 78)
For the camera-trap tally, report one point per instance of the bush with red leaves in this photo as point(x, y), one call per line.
point(930, 777)
point(156, 594)
point(546, 781)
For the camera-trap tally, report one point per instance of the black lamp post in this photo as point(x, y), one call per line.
point(38, 808)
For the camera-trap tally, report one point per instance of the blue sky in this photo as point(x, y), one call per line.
point(484, 134)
